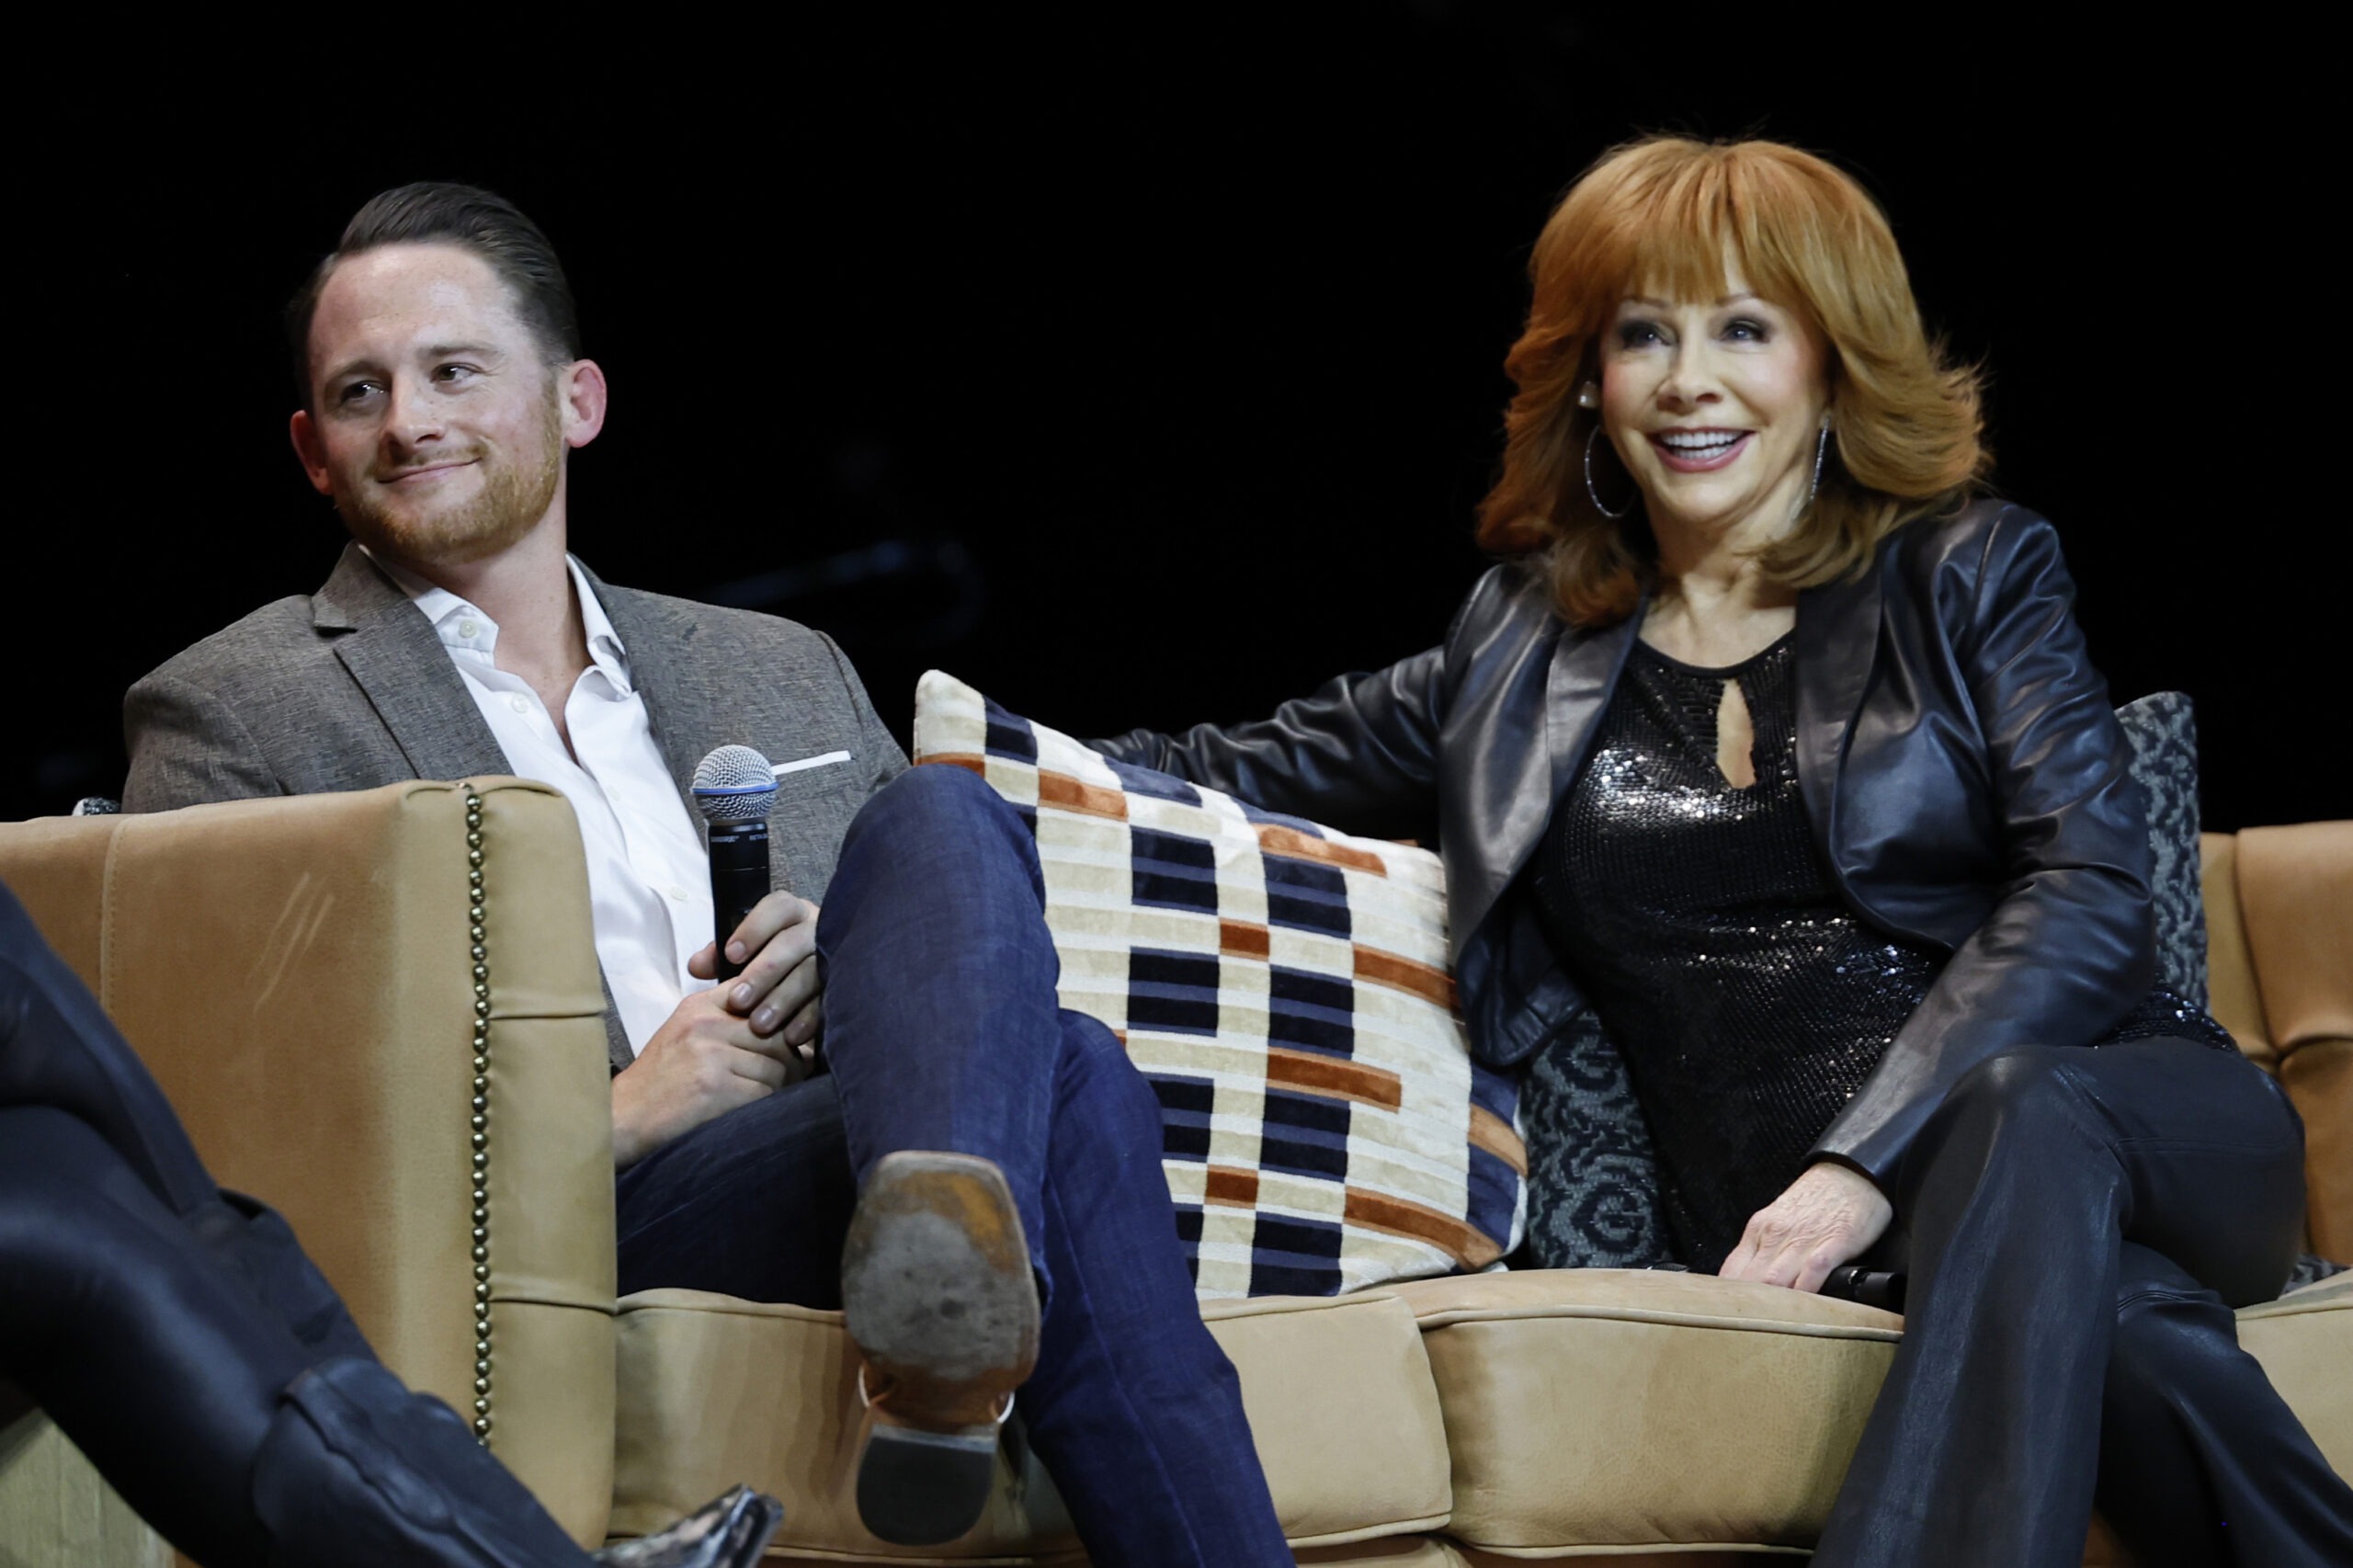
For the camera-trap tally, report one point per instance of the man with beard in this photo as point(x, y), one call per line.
point(442, 388)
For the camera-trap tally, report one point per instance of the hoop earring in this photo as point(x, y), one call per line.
point(1590, 491)
point(1821, 449)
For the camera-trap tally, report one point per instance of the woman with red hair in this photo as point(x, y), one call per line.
point(1774, 744)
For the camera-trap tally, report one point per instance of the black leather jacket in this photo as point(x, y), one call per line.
point(1956, 751)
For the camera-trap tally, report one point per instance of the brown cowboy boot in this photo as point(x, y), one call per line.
point(939, 1297)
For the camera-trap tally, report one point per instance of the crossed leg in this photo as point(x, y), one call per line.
point(2048, 1180)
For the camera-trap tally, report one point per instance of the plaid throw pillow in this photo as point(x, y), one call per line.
point(1283, 988)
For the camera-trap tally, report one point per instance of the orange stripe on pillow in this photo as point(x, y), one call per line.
point(1236, 1188)
point(1333, 1078)
point(1243, 939)
point(1493, 1133)
point(1292, 843)
point(1430, 983)
point(1399, 1217)
point(1060, 790)
point(979, 764)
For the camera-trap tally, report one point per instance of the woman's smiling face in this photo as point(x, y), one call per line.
point(1714, 406)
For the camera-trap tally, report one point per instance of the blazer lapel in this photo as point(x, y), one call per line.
point(392, 652)
point(1535, 741)
point(1838, 639)
point(658, 645)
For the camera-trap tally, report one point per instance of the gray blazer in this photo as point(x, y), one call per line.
point(348, 688)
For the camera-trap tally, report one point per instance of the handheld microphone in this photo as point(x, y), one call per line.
point(735, 789)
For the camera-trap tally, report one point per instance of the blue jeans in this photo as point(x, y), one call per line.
point(943, 1032)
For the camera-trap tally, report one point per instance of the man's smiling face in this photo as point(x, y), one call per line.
point(435, 422)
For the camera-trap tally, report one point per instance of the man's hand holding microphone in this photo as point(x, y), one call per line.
point(755, 1032)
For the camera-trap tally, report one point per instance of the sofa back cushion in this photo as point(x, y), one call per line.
point(1283, 988)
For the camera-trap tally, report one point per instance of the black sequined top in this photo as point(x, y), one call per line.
point(1702, 922)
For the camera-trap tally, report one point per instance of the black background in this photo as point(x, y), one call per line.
point(1148, 367)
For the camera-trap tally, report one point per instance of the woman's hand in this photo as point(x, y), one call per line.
point(1827, 1216)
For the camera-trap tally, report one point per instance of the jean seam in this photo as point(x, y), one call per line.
point(1118, 1388)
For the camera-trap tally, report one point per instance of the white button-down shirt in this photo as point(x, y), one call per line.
point(649, 876)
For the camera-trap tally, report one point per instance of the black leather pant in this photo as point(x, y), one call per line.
point(2081, 1224)
point(179, 1335)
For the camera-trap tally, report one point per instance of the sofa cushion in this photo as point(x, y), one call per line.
point(1283, 988)
point(714, 1391)
point(1620, 1409)
point(1597, 1409)
point(2305, 1342)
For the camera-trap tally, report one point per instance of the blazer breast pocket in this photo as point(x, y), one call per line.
point(815, 776)
point(813, 810)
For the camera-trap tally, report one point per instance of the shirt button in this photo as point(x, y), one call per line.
point(678, 893)
point(470, 629)
point(519, 702)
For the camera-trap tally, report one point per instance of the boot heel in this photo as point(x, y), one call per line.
point(918, 1488)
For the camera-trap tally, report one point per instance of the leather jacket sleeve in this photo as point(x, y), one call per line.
point(2069, 944)
point(1361, 754)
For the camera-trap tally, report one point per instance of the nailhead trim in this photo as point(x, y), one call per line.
point(481, 953)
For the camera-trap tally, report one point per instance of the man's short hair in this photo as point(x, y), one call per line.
point(441, 212)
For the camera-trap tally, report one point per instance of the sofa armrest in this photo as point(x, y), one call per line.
point(300, 975)
point(2295, 887)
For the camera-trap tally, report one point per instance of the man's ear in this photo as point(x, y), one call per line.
point(581, 393)
point(310, 449)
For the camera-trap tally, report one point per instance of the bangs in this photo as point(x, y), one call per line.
point(1679, 249)
point(1676, 226)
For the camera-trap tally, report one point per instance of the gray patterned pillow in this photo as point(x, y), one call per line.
point(1593, 1188)
point(2163, 732)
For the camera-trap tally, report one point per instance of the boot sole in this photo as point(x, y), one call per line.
point(938, 1295)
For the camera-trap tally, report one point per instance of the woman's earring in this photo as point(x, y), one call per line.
point(1589, 489)
point(1821, 449)
point(1588, 397)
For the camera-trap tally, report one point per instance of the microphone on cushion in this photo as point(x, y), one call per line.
point(735, 789)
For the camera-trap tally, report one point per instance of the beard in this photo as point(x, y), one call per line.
point(515, 495)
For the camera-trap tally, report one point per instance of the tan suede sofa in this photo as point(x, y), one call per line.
point(305, 978)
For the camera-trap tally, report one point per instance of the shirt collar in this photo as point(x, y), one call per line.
point(605, 649)
point(464, 629)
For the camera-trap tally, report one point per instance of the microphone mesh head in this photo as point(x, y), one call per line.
point(733, 784)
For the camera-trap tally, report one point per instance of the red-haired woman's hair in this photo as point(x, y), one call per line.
point(1665, 215)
